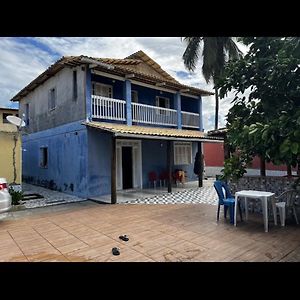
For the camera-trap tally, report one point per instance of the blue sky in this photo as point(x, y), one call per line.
point(22, 59)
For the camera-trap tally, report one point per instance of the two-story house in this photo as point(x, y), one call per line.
point(98, 125)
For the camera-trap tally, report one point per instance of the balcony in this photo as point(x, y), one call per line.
point(115, 109)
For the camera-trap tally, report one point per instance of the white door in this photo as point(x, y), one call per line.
point(136, 163)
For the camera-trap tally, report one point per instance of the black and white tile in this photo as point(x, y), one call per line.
point(189, 196)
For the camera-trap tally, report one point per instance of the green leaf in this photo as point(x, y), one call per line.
point(294, 148)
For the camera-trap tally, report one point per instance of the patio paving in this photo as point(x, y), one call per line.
point(87, 232)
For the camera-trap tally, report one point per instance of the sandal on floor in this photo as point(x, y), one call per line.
point(115, 251)
point(124, 238)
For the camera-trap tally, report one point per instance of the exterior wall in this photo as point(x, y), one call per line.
point(146, 95)
point(67, 109)
point(7, 133)
point(154, 158)
point(67, 159)
point(99, 163)
point(214, 162)
point(189, 104)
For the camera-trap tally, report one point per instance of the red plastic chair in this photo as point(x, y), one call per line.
point(163, 177)
point(152, 177)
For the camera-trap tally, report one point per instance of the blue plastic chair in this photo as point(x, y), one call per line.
point(226, 199)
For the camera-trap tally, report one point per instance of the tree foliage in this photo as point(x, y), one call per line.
point(267, 121)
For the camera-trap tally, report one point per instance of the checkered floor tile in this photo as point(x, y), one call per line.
point(193, 195)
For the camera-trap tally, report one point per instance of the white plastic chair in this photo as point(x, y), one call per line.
point(284, 203)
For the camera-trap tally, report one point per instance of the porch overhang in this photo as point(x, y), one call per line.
point(155, 133)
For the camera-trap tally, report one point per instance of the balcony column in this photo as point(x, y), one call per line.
point(177, 106)
point(88, 94)
point(127, 96)
point(200, 114)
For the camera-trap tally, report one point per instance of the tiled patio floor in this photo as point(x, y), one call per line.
point(87, 231)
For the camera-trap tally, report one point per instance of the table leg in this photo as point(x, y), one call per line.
point(235, 208)
point(265, 212)
point(246, 209)
point(274, 210)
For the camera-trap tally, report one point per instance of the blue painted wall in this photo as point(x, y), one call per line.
point(189, 104)
point(67, 159)
point(99, 163)
point(154, 158)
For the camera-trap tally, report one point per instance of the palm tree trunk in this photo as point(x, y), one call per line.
point(217, 109)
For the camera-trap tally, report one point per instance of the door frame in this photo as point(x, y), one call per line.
point(137, 170)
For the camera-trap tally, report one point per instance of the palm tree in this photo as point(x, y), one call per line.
point(216, 52)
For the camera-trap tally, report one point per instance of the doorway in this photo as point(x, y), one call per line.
point(129, 164)
point(127, 168)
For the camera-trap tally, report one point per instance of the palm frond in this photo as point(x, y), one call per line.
point(191, 53)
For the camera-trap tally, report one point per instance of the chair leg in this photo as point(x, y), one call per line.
point(282, 215)
point(225, 210)
point(218, 213)
point(231, 211)
point(240, 210)
point(295, 215)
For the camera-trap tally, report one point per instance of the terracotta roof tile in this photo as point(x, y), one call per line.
point(149, 131)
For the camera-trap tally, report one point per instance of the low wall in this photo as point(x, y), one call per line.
point(272, 184)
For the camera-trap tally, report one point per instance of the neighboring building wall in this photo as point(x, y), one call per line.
point(214, 162)
point(7, 133)
point(67, 159)
point(68, 109)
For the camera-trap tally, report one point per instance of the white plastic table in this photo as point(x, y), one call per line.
point(257, 195)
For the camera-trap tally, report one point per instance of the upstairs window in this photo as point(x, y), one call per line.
point(75, 93)
point(164, 103)
point(182, 153)
point(52, 99)
point(134, 97)
point(44, 157)
point(104, 90)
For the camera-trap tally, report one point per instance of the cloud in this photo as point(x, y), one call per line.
point(23, 59)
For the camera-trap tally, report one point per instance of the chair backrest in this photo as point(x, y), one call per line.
point(219, 190)
point(227, 190)
point(152, 176)
point(288, 197)
point(222, 190)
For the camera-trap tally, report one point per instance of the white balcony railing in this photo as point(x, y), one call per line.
point(189, 119)
point(115, 109)
point(108, 108)
point(148, 114)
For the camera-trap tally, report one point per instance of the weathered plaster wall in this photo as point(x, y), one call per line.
point(67, 108)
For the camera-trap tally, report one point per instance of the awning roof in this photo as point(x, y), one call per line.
point(147, 132)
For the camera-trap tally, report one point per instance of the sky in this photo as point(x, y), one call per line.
point(22, 59)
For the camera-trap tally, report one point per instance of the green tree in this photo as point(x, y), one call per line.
point(266, 122)
point(215, 51)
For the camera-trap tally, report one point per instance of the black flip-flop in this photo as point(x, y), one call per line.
point(124, 238)
point(115, 251)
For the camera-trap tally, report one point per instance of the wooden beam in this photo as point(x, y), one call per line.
point(160, 83)
point(169, 164)
point(128, 76)
point(113, 171)
point(184, 90)
point(92, 66)
point(200, 177)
